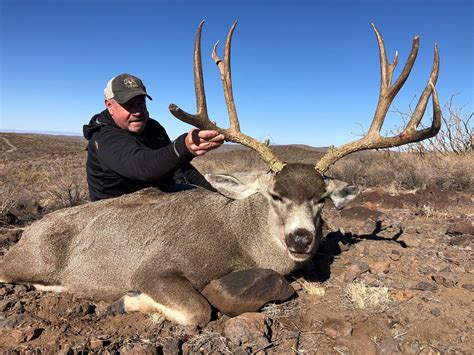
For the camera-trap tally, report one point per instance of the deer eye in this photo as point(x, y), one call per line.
point(276, 198)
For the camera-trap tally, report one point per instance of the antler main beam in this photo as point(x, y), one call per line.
point(201, 119)
point(410, 134)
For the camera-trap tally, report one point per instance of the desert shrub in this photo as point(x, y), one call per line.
point(67, 193)
point(406, 170)
point(454, 138)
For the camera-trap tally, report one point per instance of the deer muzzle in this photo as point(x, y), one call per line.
point(299, 243)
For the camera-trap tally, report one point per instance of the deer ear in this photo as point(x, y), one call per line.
point(232, 187)
point(340, 192)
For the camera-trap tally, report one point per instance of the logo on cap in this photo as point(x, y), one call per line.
point(130, 83)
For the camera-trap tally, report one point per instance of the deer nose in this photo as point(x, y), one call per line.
point(299, 240)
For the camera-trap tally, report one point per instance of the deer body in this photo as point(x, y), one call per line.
point(150, 239)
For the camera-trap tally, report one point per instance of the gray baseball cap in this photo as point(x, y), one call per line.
point(124, 87)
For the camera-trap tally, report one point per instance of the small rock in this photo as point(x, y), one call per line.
point(171, 346)
point(98, 343)
point(18, 307)
point(5, 305)
point(469, 287)
point(436, 312)
point(248, 329)
point(460, 228)
point(379, 267)
point(358, 345)
point(138, 349)
point(395, 255)
point(335, 328)
point(26, 334)
point(103, 309)
point(426, 286)
point(247, 291)
point(364, 267)
point(360, 213)
point(20, 288)
point(402, 295)
point(389, 346)
point(410, 240)
point(444, 281)
point(352, 272)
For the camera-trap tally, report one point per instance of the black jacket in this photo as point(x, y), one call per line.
point(121, 162)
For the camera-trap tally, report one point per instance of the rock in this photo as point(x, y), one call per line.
point(460, 228)
point(248, 329)
point(389, 346)
point(395, 255)
point(5, 305)
point(360, 213)
point(104, 309)
point(402, 295)
point(98, 343)
point(410, 240)
point(26, 334)
point(18, 307)
point(469, 287)
point(247, 291)
point(379, 267)
point(138, 349)
point(171, 346)
point(354, 270)
point(445, 281)
point(426, 286)
point(358, 345)
point(335, 328)
point(20, 288)
point(436, 312)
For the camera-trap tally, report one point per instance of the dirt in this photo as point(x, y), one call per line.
point(393, 274)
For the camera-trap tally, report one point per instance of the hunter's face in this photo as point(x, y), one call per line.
point(131, 115)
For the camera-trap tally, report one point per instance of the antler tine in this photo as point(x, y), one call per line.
point(373, 139)
point(387, 91)
point(226, 77)
point(201, 119)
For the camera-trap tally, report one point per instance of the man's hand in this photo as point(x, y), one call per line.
point(200, 142)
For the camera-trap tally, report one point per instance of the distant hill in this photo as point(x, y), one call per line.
point(19, 146)
point(22, 146)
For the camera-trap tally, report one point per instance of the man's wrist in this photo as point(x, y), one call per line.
point(180, 149)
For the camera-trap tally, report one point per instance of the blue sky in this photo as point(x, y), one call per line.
point(303, 72)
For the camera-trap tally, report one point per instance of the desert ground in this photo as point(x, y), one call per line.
point(394, 273)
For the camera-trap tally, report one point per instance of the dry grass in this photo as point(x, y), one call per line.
point(209, 340)
point(368, 298)
point(276, 312)
point(313, 288)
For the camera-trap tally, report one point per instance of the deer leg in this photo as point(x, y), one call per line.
point(171, 295)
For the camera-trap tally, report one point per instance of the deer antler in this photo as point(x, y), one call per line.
point(373, 139)
point(201, 119)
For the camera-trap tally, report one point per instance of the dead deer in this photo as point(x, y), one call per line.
point(155, 251)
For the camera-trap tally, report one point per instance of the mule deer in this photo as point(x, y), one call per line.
point(165, 247)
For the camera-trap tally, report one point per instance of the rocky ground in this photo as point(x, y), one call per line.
point(394, 274)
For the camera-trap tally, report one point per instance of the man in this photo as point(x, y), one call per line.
point(128, 151)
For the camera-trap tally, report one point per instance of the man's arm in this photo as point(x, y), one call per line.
point(128, 158)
